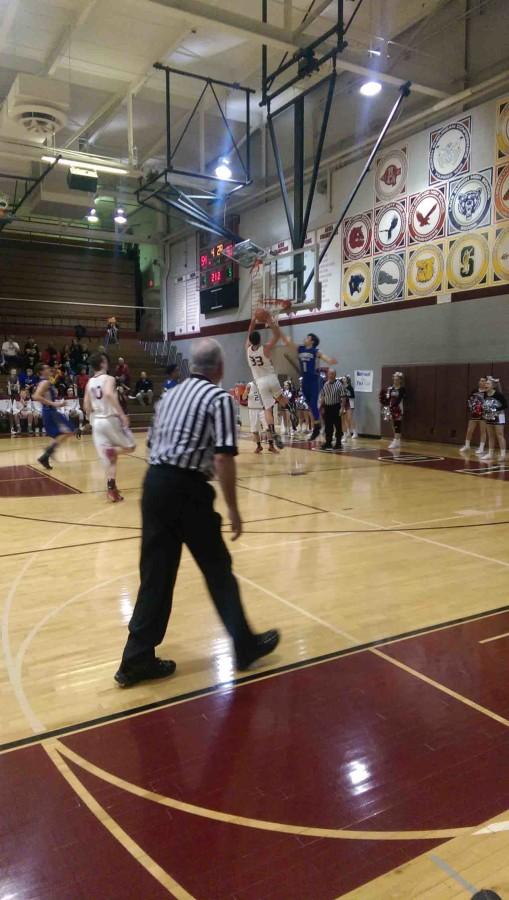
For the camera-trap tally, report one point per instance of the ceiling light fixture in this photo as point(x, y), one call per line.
point(119, 216)
point(370, 88)
point(92, 216)
point(113, 170)
point(223, 170)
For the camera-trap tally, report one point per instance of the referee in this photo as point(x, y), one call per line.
point(332, 399)
point(193, 437)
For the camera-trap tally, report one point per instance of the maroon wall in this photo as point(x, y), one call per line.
point(435, 408)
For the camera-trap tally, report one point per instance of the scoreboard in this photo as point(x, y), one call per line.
point(219, 278)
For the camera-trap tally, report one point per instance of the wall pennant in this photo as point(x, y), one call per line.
point(449, 151)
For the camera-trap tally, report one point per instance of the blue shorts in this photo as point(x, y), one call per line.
point(311, 391)
point(55, 423)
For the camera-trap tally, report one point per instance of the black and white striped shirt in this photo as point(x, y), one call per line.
point(193, 422)
point(332, 392)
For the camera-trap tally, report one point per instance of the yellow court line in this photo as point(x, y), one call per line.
point(497, 637)
point(440, 687)
point(127, 842)
point(259, 824)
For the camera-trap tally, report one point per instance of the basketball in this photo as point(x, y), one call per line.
point(262, 315)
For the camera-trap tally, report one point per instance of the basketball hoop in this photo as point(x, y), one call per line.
point(276, 307)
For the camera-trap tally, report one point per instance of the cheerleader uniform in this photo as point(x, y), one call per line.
point(475, 404)
point(396, 397)
point(494, 408)
point(392, 400)
point(350, 397)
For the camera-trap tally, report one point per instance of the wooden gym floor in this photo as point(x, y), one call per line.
point(366, 759)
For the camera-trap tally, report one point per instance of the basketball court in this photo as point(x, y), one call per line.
point(366, 757)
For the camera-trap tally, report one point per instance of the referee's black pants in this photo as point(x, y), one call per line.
point(332, 422)
point(177, 508)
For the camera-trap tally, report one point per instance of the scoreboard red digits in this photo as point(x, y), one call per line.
point(216, 269)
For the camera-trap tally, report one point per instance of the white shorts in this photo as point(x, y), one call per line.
point(269, 389)
point(109, 433)
point(257, 421)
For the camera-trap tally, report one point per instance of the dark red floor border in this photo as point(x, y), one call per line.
point(246, 679)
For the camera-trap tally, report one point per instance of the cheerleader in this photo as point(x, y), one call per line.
point(392, 399)
point(289, 413)
point(494, 408)
point(475, 416)
point(347, 414)
point(305, 418)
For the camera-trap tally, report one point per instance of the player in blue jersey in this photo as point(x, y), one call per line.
point(55, 424)
point(309, 356)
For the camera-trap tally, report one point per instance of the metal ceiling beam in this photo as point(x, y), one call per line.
point(98, 120)
point(29, 191)
point(386, 78)
point(271, 35)
point(64, 40)
point(312, 16)
point(247, 27)
point(7, 21)
point(65, 230)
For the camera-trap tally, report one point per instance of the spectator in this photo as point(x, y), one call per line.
point(172, 377)
point(58, 379)
point(31, 354)
point(5, 415)
point(71, 410)
point(122, 371)
point(85, 356)
point(14, 417)
point(13, 384)
point(22, 411)
point(123, 395)
point(75, 351)
point(66, 358)
point(37, 414)
point(111, 331)
point(81, 382)
point(28, 380)
point(144, 390)
point(51, 356)
point(10, 352)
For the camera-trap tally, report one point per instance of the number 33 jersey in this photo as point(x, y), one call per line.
point(259, 363)
point(101, 406)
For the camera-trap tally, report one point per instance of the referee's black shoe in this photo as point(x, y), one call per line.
point(264, 644)
point(158, 668)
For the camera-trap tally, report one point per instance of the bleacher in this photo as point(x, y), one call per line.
point(58, 286)
point(149, 356)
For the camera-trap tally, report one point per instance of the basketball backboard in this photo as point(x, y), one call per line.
point(291, 275)
point(246, 253)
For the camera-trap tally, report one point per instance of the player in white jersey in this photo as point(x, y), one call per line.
point(262, 369)
point(110, 425)
point(257, 422)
